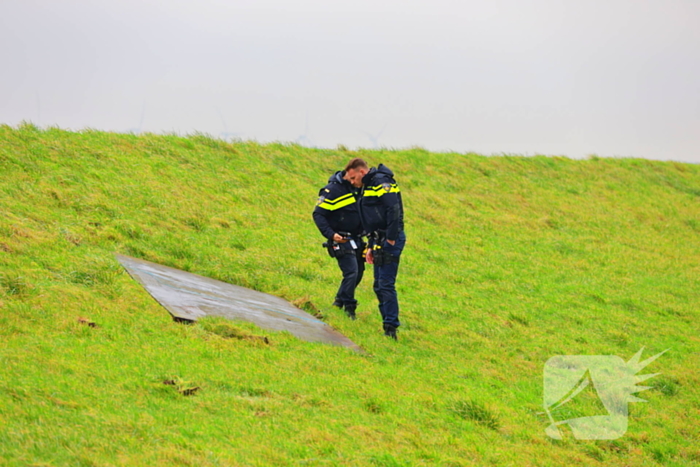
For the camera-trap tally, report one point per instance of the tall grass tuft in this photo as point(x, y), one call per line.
point(476, 412)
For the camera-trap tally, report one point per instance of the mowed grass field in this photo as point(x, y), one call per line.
point(509, 262)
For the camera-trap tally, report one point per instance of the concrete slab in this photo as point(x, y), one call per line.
point(189, 297)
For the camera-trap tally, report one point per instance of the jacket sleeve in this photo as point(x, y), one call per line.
point(392, 208)
point(322, 215)
point(321, 219)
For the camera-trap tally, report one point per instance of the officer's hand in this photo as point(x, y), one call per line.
point(369, 257)
point(391, 242)
point(339, 238)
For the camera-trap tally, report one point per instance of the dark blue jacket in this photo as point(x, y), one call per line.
point(381, 208)
point(336, 209)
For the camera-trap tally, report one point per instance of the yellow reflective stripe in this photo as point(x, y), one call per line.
point(337, 200)
point(336, 204)
point(379, 190)
point(394, 188)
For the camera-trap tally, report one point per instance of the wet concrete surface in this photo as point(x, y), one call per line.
point(189, 297)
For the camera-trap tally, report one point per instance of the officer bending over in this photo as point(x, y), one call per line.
point(381, 210)
point(338, 219)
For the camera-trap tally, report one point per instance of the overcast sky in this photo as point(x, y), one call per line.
point(556, 77)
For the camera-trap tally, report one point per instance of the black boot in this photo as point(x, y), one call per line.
point(390, 331)
point(350, 310)
point(338, 303)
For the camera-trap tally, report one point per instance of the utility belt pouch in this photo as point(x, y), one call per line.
point(333, 249)
point(336, 250)
point(381, 256)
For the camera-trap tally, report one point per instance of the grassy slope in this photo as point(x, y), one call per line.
point(509, 262)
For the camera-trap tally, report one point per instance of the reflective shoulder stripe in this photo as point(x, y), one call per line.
point(339, 199)
point(340, 202)
point(380, 190)
point(337, 204)
point(369, 192)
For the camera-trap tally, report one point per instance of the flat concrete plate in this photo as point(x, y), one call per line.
point(190, 297)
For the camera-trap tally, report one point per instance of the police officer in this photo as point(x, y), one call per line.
point(337, 217)
point(381, 211)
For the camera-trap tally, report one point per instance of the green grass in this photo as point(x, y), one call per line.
point(509, 261)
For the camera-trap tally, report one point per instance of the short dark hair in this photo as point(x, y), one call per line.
point(356, 163)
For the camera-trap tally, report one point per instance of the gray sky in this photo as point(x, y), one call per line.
point(565, 77)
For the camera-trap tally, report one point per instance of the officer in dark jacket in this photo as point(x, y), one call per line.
point(337, 217)
point(381, 210)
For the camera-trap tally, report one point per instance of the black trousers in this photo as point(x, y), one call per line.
point(353, 268)
point(385, 282)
